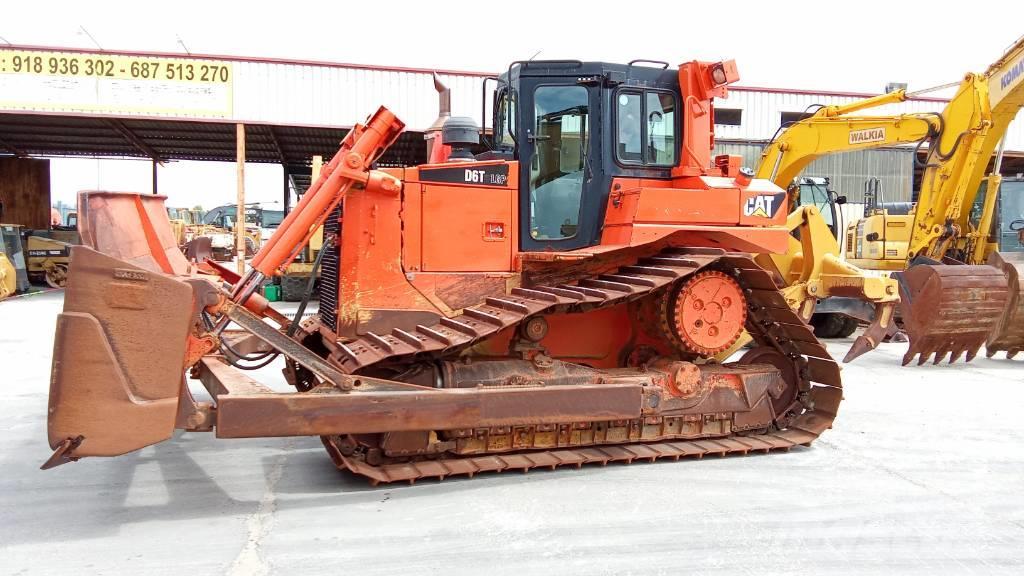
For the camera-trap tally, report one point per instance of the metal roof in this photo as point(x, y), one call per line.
point(311, 93)
point(55, 135)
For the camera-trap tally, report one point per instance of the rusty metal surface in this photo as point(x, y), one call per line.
point(297, 352)
point(497, 313)
point(618, 412)
point(107, 386)
point(132, 227)
point(1008, 333)
point(575, 457)
point(199, 249)
point(708, 313)
point(883, 323)
point(950, 309)
point(287, 414)
point(812, 394)
point(246, 408)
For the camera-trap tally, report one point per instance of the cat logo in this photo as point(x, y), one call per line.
point(763, 205)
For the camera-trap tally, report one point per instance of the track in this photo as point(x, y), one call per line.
point(781, 335)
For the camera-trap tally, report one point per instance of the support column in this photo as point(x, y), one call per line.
point(155, 187)
point(285, 198)
point(240, 212)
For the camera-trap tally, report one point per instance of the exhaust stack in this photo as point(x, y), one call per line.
point(437, 152)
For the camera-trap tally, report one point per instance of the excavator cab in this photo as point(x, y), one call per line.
point(1011, 215)
point(1007, 231)
point(814, 191)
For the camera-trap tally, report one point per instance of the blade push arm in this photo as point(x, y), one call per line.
point(350, 167)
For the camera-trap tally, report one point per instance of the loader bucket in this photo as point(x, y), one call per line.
point(1008, 333)
point(118, 358)
point(949, 309)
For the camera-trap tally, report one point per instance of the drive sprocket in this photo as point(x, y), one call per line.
point(706, 314)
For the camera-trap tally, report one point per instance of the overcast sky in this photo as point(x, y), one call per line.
point(797, 44)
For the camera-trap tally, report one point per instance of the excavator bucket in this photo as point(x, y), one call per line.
point(120, 346)
point(1008, 333)
point(950, 309)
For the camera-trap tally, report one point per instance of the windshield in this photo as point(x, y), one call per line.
point(817, 195)
point(272, 218)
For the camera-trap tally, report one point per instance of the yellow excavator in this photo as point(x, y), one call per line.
point(8, 281)
point(945, 309)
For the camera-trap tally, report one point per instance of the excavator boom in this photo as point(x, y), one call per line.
point(945, 311)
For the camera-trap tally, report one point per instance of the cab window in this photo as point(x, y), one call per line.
point(646, 128)
point(561, 140)
point(504, 125)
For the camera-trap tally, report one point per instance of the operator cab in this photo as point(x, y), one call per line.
point(815, 191)
point(1008, 223)
point(573, 126)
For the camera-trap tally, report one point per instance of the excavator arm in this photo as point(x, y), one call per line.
point(947, 310)
point(976, 120)
point(831, 129)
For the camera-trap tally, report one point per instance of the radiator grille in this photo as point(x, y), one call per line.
point(328, 310)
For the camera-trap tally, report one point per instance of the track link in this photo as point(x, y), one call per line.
point(769, 320)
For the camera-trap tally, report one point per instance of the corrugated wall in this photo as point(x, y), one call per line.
point(339, 95)
point(848, 171)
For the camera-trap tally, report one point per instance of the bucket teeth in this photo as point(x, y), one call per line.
point(949, 310)
point(957, 354)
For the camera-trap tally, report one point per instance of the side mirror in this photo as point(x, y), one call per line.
point(840, 200)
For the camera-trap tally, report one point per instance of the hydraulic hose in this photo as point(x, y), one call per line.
point(328, 244)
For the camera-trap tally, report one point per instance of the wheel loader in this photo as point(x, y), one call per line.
point(555, 300)
point(956, 292)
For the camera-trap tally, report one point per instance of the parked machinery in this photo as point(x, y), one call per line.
point(13, 270)
point(8, 277)
point(554, 301)
point(946, 310)
point(220, 225)
point(13, 276)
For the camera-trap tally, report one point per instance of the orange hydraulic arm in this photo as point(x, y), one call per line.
point(362, 146)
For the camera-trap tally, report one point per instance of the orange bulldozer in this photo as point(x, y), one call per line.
point(554, 297)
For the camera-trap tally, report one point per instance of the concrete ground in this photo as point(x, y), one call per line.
point(923, 474)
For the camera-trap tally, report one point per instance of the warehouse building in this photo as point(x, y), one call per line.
point(62, 102)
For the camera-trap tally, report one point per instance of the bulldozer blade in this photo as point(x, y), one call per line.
point(949, 309)
point(132, 227)
point(881, 325)
point(118, 358)
point(1008, 333)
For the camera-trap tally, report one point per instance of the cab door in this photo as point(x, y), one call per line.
point(560, 207)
